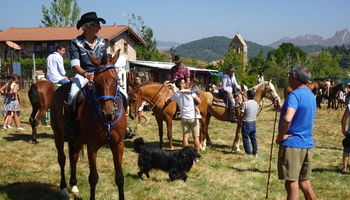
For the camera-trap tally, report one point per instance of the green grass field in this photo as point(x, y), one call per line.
point(29, 171)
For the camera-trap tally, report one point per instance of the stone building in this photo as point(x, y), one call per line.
point(239, 45)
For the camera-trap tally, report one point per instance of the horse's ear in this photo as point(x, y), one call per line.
point(115, 57)
point(94, 60)
point(270, 81)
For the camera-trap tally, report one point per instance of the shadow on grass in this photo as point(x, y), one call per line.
point(153, 179)
point(129, 143)
point(26, 137)
point(322, 170)
point(251, 170)
point(32, 190)
point(331, 148)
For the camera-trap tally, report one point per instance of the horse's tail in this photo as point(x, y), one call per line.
point(33, 94)
point(138, 142)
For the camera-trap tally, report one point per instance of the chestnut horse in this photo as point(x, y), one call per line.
point(156, 94)
point(333, 92)
point(40, 95)
point(264, 89)
point(101, 120)
point(320, 89)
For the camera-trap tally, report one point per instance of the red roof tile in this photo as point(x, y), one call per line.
point(60, 33)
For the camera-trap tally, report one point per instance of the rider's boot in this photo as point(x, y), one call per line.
point(68, 129)
point(233, 118)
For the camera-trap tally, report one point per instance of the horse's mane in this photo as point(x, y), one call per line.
point(148, 84)
point(256, 86)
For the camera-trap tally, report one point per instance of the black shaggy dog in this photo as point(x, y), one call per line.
point(176, 162)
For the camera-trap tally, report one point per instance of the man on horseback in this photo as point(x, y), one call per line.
point(80, 47)
point(179, 70)
point(55, 71)
point(228, 86)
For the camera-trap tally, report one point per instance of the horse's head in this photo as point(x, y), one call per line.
point(266, 89)
point(135, 101)
point(324, 87)
point(105, 82)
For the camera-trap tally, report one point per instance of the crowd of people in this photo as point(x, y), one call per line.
point(297, 113)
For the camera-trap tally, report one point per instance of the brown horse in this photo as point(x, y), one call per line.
point(101, 120)
point(40, 95)
point(320, 89)
point(265, 89)
point(156, 94)
point(333, 91)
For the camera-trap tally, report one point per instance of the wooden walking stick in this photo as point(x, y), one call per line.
point(273, 138)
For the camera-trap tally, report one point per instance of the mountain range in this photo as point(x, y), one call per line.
point(340, 38)
point(212, 48)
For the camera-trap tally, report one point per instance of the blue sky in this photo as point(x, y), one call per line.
point(184, 21)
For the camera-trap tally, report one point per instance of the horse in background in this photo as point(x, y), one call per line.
point(333, 92)
point(320, 90)
point(101, 120)
point(40, 95)
point(220, 112)
point(156, 95)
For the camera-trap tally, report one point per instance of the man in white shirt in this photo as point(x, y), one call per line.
point(55, 67)
point(188, 120)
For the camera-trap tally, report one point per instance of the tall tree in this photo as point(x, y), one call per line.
point(325, 65)
point(148, 52)
point(287, 55)
point(62, 13)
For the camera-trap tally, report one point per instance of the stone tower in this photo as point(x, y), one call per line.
point(239, 45)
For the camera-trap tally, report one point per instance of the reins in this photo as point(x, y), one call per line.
point(274, 98)
point(94, 106)
point(159, 97)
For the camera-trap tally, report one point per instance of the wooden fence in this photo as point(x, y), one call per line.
point(24, 84)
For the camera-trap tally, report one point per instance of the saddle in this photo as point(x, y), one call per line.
point(219, 99)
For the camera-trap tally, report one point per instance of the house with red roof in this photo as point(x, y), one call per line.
point(41, 41)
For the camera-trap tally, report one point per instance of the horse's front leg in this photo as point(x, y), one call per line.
point(160, 131)
point(169, 127)
point(118, 151)
point(235, 145)
point(93, 176)
point(74, 150)
point(204, 132)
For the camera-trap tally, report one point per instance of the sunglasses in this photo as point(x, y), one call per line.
point(96, 24)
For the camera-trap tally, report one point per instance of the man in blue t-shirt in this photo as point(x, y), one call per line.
point(295, 135)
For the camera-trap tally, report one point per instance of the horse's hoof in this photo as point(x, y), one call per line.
point(75, 190)
point(34, 141)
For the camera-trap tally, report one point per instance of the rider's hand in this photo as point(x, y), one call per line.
point(89, 76)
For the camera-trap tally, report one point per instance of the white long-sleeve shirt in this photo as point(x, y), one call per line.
point(229, 81)
point(55, 67)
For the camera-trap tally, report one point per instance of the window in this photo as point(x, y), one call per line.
point(125, 47)
point(42, 50)
point(50, 48)
point(38, 47)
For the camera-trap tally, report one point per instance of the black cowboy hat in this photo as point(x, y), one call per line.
point(177, 59)
point(231, 68)
point(88, 17)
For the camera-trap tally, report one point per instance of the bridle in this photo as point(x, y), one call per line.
point(94, 104)
point(154, 103)
point(268, 90)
